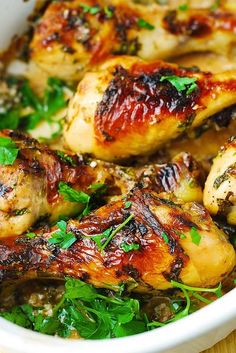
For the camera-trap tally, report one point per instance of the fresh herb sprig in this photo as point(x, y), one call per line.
point(144, 24)
point(187, 84)
point(89, 201)
point(30, 109)
point(94, 314)
point(188, 292)
point(61, 237)
point(103, 239)
point(8, 151)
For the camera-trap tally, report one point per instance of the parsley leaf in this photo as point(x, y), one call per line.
point(108, 11)
point(31, 235)
point(216, 5)
point(195, 236)
point(8, 151)
point(187, 84)
point(63, 239)
point(183, 7)
point(129, 247)
point(71, 194)
point(128, 204)
point(144, 24)
point(103, 239)
point(92, 10)
point(67, 158)
point(165, 237)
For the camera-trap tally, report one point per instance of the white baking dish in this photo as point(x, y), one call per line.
point(193, 334)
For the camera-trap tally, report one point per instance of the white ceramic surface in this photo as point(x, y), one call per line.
point(193, 334)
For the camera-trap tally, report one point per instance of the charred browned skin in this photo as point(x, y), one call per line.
point(136, 99)
point(29, 187)
point(152, 266)
point(200, 24)
point(37, 159)
point(68, 41)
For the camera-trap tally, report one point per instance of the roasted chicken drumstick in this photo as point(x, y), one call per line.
point(130, 107)
point(143, 245)
point(29, 187)
point(220, 187)
point(74, 36)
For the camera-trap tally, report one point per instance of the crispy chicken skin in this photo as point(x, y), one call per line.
point(220, 187)
point(163, 253)
point(29, 187)
point(125, 110)
point(68, 39)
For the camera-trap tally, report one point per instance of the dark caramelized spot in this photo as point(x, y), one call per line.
point(199, 25)
point(137, 98)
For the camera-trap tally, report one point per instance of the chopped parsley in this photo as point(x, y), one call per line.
point(183, 236)
point(92, 10)
point(129, 247)
point(98, 314)
point(188, 292)
point(195, 236)
point(61, 237)
point(216, 5)
point(31, 235)
point(108, 11)
point(67, 158)
point(103, 239)
point(90, 201)
point(128, 204)
point(165, 237)
point(71, 194)
point(27, 109)
point(8, 151)
point(183, 7)
point(144, 24)
point(187, 84)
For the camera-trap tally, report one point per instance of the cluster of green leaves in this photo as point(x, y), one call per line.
point(103, 239)
point(8, 151)
point(187, 84)
point(85, 310)
point(61, 237)
point(95, 314)
point(188, 292)
point(40, 108)
point(89, 201)
point(144, 24)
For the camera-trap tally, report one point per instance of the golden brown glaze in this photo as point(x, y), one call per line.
point(125, 109)
point(220, 187)
point(69, 40)
point(29, 187)
point(152, 266)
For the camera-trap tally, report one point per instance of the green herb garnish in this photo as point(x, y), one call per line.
point(187, 291)
point(103, 239)
point(94, 314)
point(187, 84)
point(183, 7)
point(86, 310)
point(144, 24)
point(92, 10)
point(216, 5)
point(61, 237)
point(165, 237)
point(31, 235)
point(108, 11)
point(71, 194)
point(195, 236)
point(66, 158)
point(129, 247)
point(128, 204)
point(8, 151)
